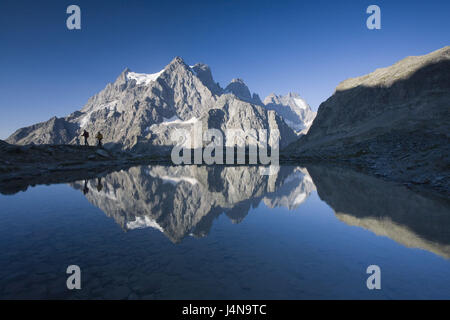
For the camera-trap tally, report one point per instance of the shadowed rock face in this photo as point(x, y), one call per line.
point(394, 122)
point(185, 200)
point(203, 72)
point(387, 209)
point(410, 96)
point(239, 89)
point(139, 111)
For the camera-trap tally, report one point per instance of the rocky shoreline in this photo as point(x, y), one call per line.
point(24, 166)
point(417, 161)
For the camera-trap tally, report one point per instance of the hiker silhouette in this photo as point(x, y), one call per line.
point(86, 136)
point(99, 137)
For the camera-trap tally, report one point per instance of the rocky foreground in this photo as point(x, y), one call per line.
point(21, 166)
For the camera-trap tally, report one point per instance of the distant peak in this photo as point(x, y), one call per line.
point(277, 98)
point(238, 80)
point(290, 99)
point(293, 95)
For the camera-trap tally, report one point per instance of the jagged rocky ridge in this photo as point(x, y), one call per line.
point(395, 120)
point(138, 111)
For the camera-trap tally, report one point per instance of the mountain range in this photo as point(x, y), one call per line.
point(137, 111)
point(393, 122)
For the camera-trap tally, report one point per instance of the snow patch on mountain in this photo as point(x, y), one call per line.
point(301, 103)
point(84, 120)
point(294, 110)
point(174, 180)
point(177, 180)
point(173, 121)
point(143, 78)
point(176, 120)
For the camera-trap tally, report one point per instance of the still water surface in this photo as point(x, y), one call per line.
point(193, 232)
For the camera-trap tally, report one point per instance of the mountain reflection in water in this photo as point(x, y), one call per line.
point(185, 200)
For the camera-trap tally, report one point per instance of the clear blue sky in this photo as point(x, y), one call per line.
point(275, 46)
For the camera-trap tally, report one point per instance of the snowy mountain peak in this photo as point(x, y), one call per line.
point(293, 109)
point(138, 111)
point(291, 100)
point(147, 78)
